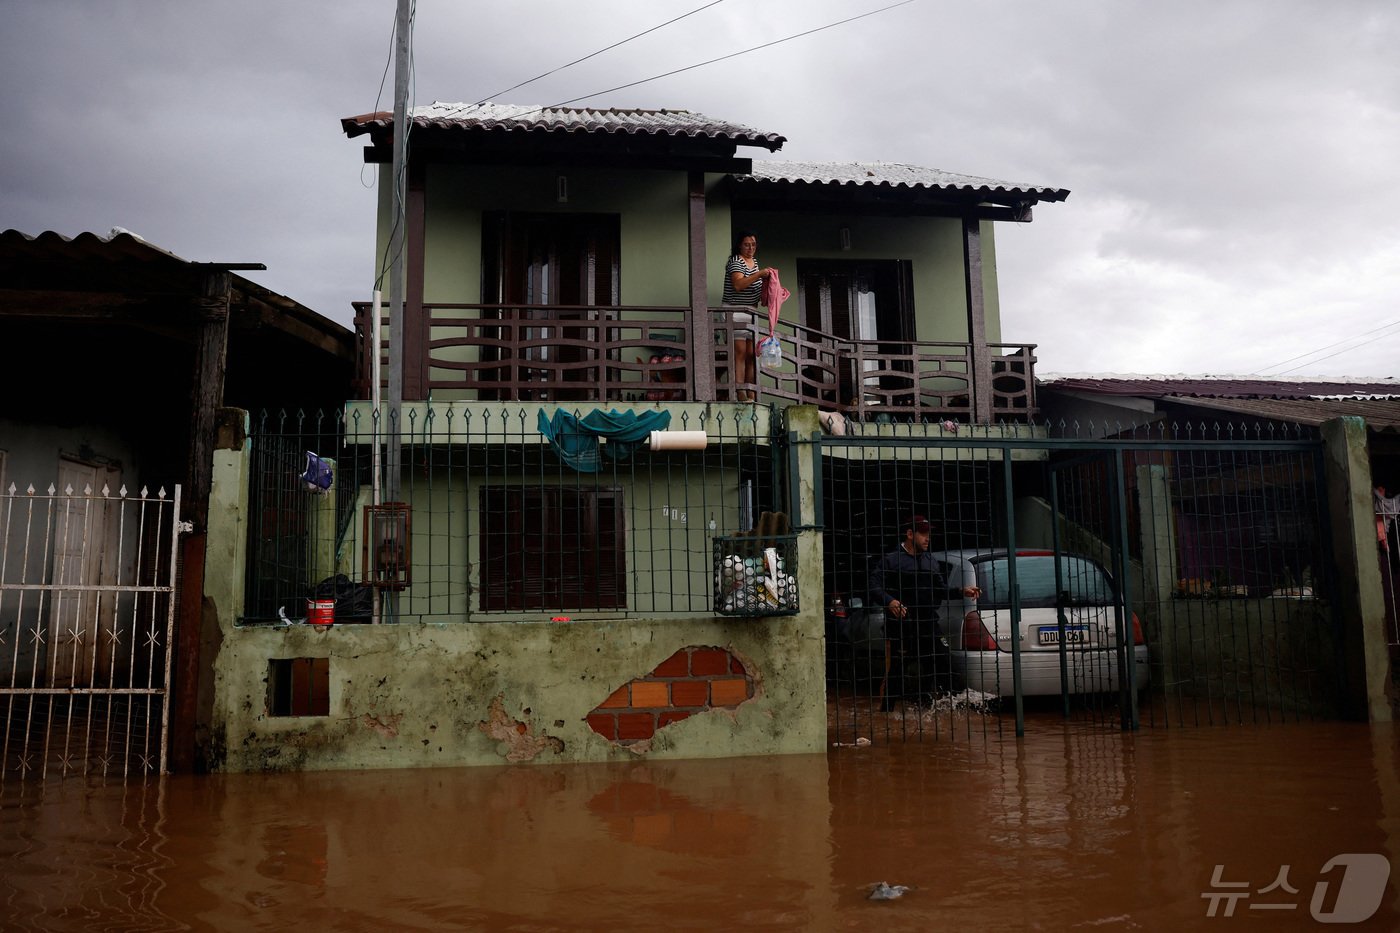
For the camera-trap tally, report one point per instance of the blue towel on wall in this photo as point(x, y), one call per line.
point(575, 439)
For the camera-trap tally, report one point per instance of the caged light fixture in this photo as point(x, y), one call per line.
point(386, 557)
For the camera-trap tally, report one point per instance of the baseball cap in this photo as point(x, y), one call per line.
point(919, 524)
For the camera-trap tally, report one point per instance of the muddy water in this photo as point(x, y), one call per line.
point(1073, 827)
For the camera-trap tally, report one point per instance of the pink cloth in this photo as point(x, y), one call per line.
point(774, 294)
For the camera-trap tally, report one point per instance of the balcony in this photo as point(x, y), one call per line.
point(652, 354)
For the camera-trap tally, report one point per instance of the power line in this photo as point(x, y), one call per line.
point(712, 61)
point(599, 52)
point(1260, 371)
point(1327, 357)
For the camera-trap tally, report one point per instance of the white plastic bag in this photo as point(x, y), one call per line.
point(770, 353)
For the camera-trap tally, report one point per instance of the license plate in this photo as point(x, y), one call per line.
point(1074, 635)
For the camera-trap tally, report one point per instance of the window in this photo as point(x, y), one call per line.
point(1085, 581)
point(869, 300)
point(551, 547)
point(549, 269)
point(299, 687)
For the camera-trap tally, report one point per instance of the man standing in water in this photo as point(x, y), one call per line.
point(908, 583)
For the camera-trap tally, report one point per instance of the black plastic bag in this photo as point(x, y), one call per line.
point(354, 602)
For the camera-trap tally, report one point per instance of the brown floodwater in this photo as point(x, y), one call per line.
point(1076, 826)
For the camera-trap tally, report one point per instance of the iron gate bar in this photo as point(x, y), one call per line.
point(1060, 595)
point(1008, 491)
point(97, 519)
point(1126, 648)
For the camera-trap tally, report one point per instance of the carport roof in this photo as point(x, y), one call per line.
point(1237, 387)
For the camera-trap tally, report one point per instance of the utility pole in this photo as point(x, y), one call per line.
point(392, 419)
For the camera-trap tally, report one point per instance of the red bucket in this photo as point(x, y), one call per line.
point(320, 611)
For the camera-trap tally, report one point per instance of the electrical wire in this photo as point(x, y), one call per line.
point(609, 48)
point(379, 95)
point(756, 48)
point(400, 180)
point(1261, 370)
point(1284, 372)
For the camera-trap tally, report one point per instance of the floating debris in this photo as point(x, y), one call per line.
point(861, 742)
point(887, 892)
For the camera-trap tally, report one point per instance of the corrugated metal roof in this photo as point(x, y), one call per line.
point(118, 245)
point(1223, 386)
point(522, 118)
point(894, 175)
point(1381, 414)
point(122, 247)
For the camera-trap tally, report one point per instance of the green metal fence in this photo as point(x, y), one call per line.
point(1168, 575)
point(499, 523)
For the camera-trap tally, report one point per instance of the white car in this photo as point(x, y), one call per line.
point(979, 632)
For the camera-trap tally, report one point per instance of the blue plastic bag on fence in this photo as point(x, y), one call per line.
point(318, 475)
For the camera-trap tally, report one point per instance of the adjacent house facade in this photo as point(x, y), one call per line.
point(118, 357)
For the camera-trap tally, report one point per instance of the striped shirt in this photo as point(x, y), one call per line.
point(748, 296)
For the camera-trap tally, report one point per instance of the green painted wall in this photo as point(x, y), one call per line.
point(933, 246)
point(653, 206)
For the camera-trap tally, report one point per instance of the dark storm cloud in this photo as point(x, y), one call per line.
point(1233, 195)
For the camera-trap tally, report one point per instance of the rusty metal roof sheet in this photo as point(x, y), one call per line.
point(522, 118)
point(1381, 414)
point(122, 247)
point(1236, 387)
point(893, 175)
point(118, 245)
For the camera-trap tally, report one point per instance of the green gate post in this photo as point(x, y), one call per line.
point(1363, 658)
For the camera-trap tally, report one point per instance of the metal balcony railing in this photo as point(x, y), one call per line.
point(615, 354)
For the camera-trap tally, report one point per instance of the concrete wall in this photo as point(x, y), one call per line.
point(454, 693)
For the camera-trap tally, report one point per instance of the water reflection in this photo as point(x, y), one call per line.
point(1077, 826)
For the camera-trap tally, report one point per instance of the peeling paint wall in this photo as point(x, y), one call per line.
point(488, 693)
point(435, 694)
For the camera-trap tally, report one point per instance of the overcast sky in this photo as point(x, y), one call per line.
point(1234, 164)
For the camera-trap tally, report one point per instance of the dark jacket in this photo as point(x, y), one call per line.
point(913, 580)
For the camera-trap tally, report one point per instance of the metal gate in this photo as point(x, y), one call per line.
point(87, 611)
point(1168, 576)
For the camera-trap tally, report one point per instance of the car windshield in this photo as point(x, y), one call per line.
point(1084, 580)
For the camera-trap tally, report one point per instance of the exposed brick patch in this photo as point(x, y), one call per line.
point(692, 681)
point(677, 665)
point(707, 662)
point(618, 699)
point(685, 693)
point(633, 726)
point(649, 693)
point(603, 724)
point(729, 692)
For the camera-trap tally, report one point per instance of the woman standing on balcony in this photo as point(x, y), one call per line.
point(743, 285)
